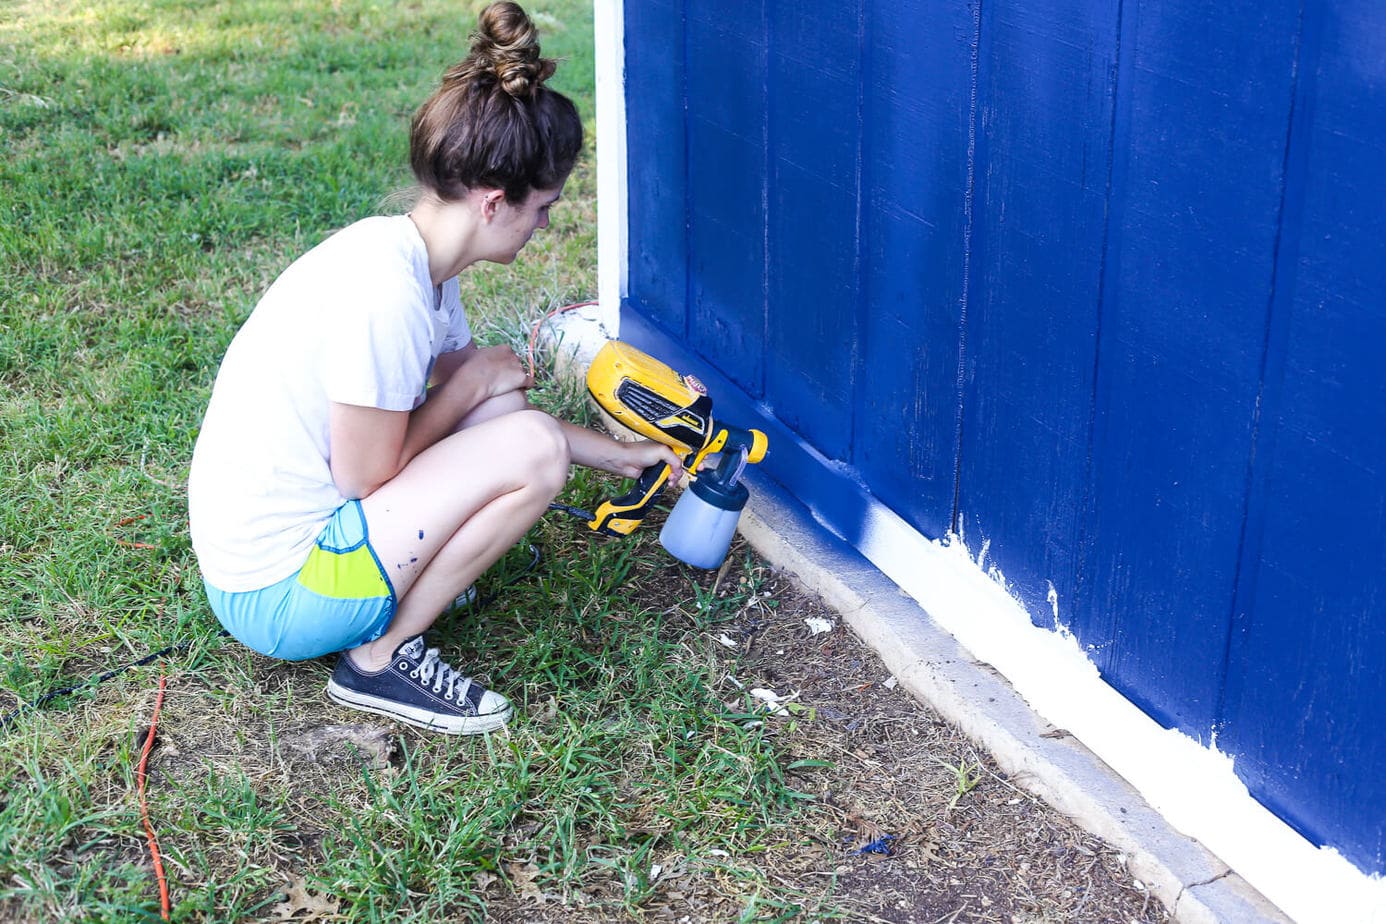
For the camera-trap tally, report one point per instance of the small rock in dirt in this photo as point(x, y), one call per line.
point(333, 743)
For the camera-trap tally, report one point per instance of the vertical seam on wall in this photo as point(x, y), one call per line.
point(1088, 508)
point(763, 383)
point(1283, 254)
point(860, 327)
point(969, 201)
point(685, 334)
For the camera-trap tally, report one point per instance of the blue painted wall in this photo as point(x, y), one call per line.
point(1100, 284)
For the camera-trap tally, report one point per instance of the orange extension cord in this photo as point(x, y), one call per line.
point(144, 804)
point(133, 545)
point(534, 331)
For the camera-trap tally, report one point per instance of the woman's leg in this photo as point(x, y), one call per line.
point(454, 510)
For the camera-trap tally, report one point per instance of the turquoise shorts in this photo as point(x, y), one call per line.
point(339, 599)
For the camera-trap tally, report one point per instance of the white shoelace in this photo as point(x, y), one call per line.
point(442, 676)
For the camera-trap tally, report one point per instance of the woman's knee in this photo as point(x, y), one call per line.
point(544, 448)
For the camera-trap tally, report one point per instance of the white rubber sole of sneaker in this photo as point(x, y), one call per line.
point(420, 718)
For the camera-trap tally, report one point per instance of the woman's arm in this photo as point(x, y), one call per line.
point(599, 451)
point(369, 446)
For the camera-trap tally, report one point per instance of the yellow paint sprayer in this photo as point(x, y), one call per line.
point(652, 399)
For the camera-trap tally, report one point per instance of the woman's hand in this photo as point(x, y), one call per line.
point(486, 371)
point(634, 458)
point(504, 371)
point(491, 371)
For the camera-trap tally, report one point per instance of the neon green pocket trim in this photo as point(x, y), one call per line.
point(350, 575)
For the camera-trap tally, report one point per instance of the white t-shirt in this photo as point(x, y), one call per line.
point(356, 320)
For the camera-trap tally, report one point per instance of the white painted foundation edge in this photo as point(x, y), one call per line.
point(1193, 787)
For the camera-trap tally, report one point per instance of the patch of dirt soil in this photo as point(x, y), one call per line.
point(913, 823)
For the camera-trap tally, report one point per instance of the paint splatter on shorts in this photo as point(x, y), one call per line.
point(339, 599)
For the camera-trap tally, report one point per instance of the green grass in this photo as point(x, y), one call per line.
point(160, 163)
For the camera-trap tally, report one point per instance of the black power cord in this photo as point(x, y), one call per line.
point(51, 695)
point(584, 515)
point(536, 558)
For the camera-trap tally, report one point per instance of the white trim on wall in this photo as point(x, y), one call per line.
point(609, 47)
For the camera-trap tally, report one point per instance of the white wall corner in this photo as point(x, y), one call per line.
point(612, 256)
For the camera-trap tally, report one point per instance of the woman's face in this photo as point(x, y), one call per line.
point(515, 224)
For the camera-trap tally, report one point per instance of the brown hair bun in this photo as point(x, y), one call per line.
point(505, 46)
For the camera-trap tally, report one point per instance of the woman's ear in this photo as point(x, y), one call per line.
point(491, 200)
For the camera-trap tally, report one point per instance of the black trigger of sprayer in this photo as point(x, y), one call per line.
point(621, 515)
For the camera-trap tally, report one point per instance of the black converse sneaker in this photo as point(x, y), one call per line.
point(420, 689)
